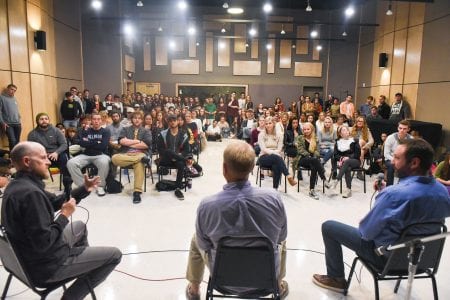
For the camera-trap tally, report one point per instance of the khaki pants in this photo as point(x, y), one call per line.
point(198, 259)
point(125, 160)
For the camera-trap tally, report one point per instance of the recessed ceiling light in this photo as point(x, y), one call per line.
point(225, 5)
point(223, 30)
point(128, 29)
point(191, 30)
point(197, 44)
point(308, 8)
point(246, 45)
point(97, 4)
point(319, 47)
point(235, 10)
point(221, 45)
point(172, 45)
point(267, 7)
point(252, 31)
point(182, 5)
point(349, 11)
point(314, 33)
point(139, 4)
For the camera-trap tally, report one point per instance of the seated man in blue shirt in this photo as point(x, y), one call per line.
point(238, 210)
point(417, 198)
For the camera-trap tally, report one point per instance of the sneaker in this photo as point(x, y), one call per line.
point(190, 295)
point(136, 197)
point(101, 191)
point(335, 284)
point(284, 289)
point(291, 180)
point(179, 194)
point(347, 193)
point(313, 194)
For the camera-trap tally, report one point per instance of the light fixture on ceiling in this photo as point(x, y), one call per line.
point(191, 30)
point(139, 4)
point(252, 31)
point(314, 33)
point(97, 4)
point(235, 10)
point(197, 44)
point(223, 30)
point(344, 33)
point(319, 47)
point(182, 5)
point(246, 45)
point(349, 11)
point(308, 8)
point(269, 46)
point(225, 5)
point(160, 29)
point(293, 46)
point(267, 7)
point(389, 10)
point(282, 29)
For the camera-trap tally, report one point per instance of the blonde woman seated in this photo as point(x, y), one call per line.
point(327, 137)
point(362, 132)
point(271, 146)
point(346, 155)
point(308, 156)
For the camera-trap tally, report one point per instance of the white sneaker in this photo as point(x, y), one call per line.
point(347, 193)
point(101, 191)
point(313, 194)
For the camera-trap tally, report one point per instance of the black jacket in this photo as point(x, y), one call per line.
point(28, 214)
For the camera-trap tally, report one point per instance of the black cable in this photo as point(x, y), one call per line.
point(371, 199)
point(154, 251)
point(17, 294)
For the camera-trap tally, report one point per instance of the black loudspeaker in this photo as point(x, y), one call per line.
point(382, 60)
point(40, 40)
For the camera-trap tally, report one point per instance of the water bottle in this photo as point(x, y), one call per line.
point(189, 182)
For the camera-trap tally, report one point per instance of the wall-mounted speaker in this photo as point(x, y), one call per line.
point(40, 40)
point(382, 60)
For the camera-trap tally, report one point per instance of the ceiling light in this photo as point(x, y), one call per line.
point(225, 5)
point(389, 10)
point(128, 29)
point(282, 29)
point(182, 5)
point(318, 47)
point(223, 30)
point(269, 46)
point(235, 10)
point(139, 4)
point(308, 8)
point(349, 11)
point(172, 45)
point(344, 33)
point(267, 7)
point(314, 33)
point(160, 29)
point(191, 30)
point(293, 46)
point(197, 44)
point(97, 4)
point(252, 31)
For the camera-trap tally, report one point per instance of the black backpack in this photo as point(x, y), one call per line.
point(113, 186)
point(166, 185)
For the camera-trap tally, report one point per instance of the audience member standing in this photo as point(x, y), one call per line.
point(400, 109)
point(384, 109)
point(10, 116)
point(347, 107)
point(71, 111)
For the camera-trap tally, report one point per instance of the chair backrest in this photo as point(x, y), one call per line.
point(245, 266)
point(397, 263)
point(10, 260)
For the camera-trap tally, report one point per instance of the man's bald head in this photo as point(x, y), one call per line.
point(22, 150)
point(239, 160)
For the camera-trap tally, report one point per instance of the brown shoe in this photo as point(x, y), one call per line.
point(335, 284)
point(284, 289)
point(190, 295)
point(291, 180)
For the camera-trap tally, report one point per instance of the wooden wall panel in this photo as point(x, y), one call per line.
point(161, 51)
point(243, 67)
point(401, 13)
point(302, 45)
point(285, 54)
point(192, 46)
point(43, 88)
point(18, 35)
point(255, 48)
point(129, 63)
point(271, 57)
point(410, 91)
point(223, 53)
point(398, 57)
point(413, 54)
point(239, 43)
point(147, 56)
point(5, 78)
point(185, 67)
point(315, 52)
point(394, 88)
point(416, 14)
point(209, 53)
point(23, 95)
point(4, 40)
point(308, 69)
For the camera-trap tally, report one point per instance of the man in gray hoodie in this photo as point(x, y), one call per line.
point(9, 115)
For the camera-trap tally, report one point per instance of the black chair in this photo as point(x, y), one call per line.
point(13, 266)
point(60, 176)
point(147, 166)
point(238, 268)
point(396, 267)
point(300, 169)
point(161, 168)
point(266, 168)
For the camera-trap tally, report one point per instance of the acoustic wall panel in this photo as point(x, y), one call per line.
point(147, 57)
point(285, 54)
point(255, 48)
point(246, 67)
point(223, 53)
point(161, 51)
point(271, 56)
point(239, 43)
point(302, 45)
point(192, 46)
point(209, 53)
point(129, 63)
point(308, 69)
point(18, 36)
point(185, 67)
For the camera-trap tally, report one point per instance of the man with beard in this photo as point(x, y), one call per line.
point(135, 141)
point(55, 145)
point(417, 198)
point(115, 128)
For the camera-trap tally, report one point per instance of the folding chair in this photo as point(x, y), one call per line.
point(396, 267)
point(266, 168)
point(13, 266)
point(300, 169)
point(161, 166)
point(245, 272)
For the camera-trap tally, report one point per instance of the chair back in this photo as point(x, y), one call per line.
point(397, 263)
point(10, 260)
point(244, 266)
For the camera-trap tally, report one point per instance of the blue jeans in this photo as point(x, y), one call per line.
point(326, 154)
point(336, 234)
point(13, 132)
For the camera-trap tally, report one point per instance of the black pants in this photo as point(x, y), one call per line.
point(174, 161)
point(276, 164)
point(13, 133)
point(346, 170)
point(313, 163)
point(61, 163)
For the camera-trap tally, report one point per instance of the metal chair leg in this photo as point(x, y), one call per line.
point(5, 290)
